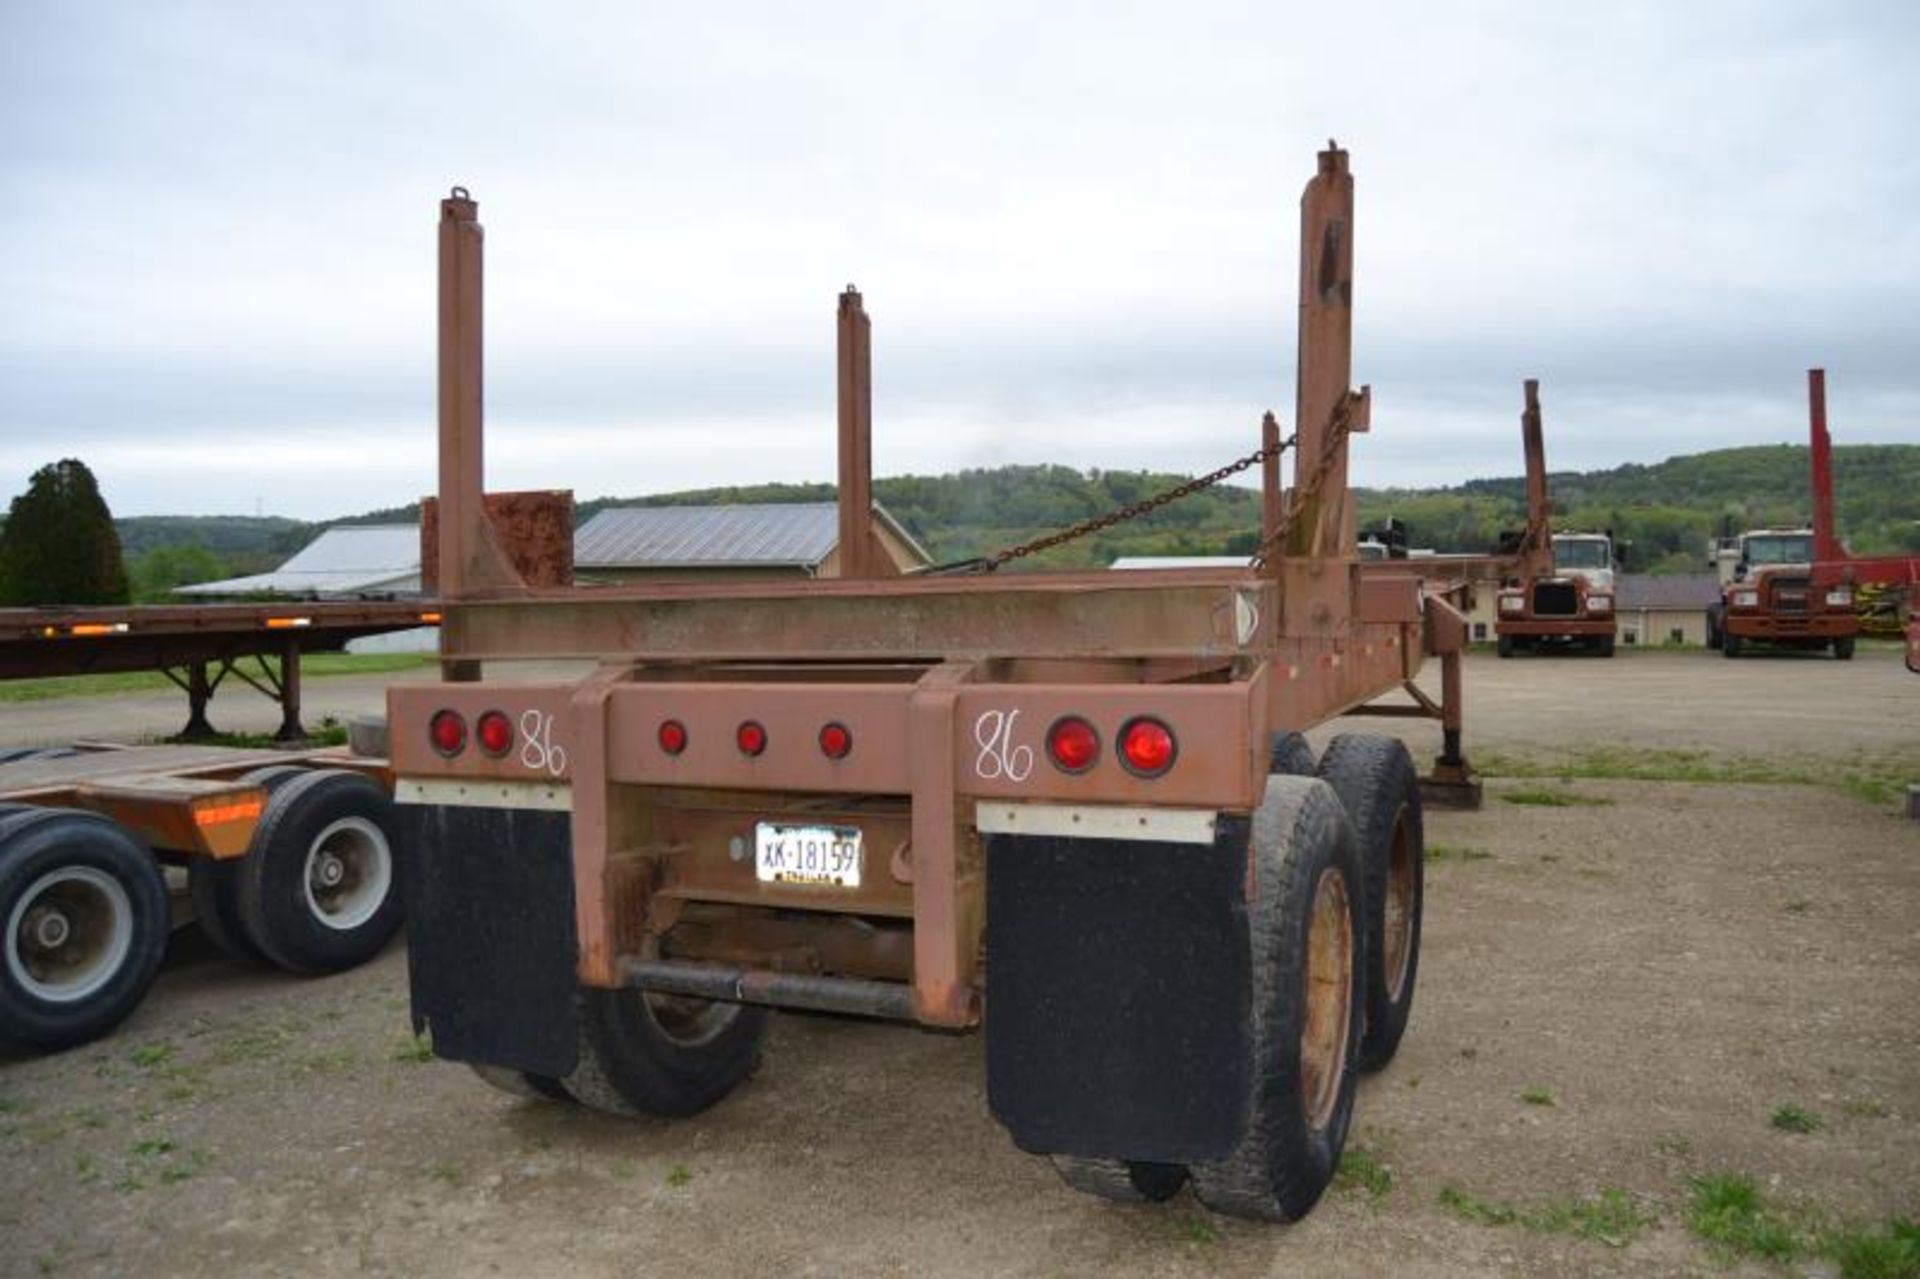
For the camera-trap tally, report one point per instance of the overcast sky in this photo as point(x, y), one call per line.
point(1075, 225)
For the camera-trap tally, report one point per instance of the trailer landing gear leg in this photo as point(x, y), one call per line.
point(1452, 783)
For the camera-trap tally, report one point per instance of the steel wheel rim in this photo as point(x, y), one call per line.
point(348, 873)
point(69, 934)
point(1396, 931)
point(1328, 998)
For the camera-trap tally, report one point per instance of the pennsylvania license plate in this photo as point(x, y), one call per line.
point(807, 854)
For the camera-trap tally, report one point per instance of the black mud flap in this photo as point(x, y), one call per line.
point(1118, 994)
point(491, 949)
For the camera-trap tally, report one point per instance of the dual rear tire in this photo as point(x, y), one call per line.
point(318, 890)
point(85, 913)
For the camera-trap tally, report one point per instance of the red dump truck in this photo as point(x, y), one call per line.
point(1046, 803)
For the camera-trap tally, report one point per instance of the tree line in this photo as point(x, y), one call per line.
point(60, 544)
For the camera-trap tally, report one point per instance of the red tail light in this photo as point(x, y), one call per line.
point(1147, 747)
point(836, 742)
point(448, 732)
point(673, 736)
point(750, 738)
point(494, 733)
point(1073, 744)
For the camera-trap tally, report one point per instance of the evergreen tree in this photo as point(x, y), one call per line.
point(59, 545)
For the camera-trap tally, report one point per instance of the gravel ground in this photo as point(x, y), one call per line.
point(1658, 970)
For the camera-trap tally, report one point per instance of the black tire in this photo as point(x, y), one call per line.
point(1121, 1180)
point(1504, 646)
point(521, 1083)
point(1714, 633)
point(291, 906)
point(1301, 1101)
point(661, 1055)
point(1291, 755)
point(84, 908)
point(1604, 646)
point(1843, 648)
point(1729, 646)
point(214, 883)
point(1377, 783)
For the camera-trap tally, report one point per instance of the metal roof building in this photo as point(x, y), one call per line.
point(349, 560)
point(773, 540)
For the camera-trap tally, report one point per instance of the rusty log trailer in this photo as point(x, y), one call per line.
point(198, 645)
point(290, 860)
point(921, 798)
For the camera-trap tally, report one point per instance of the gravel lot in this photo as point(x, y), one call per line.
point(1615, 996)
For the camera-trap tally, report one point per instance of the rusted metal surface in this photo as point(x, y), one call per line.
point(470, 555)
point(534, 528)
point(858, 554)
point(1325, 1037)
point(946, 685)
point(1826, 545)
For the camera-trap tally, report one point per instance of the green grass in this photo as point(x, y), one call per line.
point(1728, 1210)
point(1864, 1108)
point(1456, 853)
point(1611, 1217)
point(1542, 797)
point(1361, 1169)
point(414, 1049)
point(312, 666)
point(679, 1175)
point(1194, 1228)
point(151, 1055)
point(1538, 1097)
point(1880, 780)
point(1890, 1253)
point(1791, 1118)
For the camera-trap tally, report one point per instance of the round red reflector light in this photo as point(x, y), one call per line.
point(1147, 747)
point(750, 738)
point(448, 732)
point(1073, 744)
point(835, 741)
point(673, 736)
point(495, 733)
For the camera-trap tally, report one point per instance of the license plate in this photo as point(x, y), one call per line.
point(807, 854)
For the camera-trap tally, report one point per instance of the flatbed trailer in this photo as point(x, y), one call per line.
point(1052, 803)
point(289, 857)
point(198, 645)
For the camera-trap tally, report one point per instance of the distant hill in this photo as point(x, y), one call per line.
point(1666, 511)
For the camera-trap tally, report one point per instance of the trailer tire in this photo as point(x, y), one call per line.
point(1729, 646)
point(1121, 1180)
point(1843, 648)
point(1291, 755)
point(319, 887)
point(1715, 635)
point(521, 1083)
point(213, 883)
point(84, 908)
point(1604, 646)
point(643, 1054)
point(1379, 787)
point(1309, 968)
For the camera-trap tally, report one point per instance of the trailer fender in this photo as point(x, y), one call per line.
point(491, 942)
point(1117, 974)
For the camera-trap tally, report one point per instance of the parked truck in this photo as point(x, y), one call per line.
point(1801, 588)
point(1570, 607)
point(1046, 803)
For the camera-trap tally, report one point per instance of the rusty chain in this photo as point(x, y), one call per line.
point(1339, 425)
point(1132, 511)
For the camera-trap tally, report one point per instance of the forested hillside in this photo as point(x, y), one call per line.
point(1665, 511)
